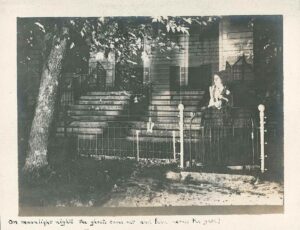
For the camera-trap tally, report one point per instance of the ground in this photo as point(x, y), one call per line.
point(151, 186)
point(125, 183)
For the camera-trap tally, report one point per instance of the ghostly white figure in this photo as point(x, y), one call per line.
point(150, 125)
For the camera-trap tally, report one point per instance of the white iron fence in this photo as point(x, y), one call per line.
point(209, 146)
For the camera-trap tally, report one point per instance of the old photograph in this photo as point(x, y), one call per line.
point(151, 112)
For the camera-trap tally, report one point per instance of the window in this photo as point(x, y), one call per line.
point(199, 77)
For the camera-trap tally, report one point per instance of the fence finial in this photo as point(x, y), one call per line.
point(261, 108)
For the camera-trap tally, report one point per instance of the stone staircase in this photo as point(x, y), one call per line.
point(94, 112)
point(163, 111)
point(98, 110)
point(106, 123)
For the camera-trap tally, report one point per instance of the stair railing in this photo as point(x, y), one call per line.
point(72, 86)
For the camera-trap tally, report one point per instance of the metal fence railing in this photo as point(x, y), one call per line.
point(110, 142)
point(208, 145)
point(123, 141)
point(222, 146)
point(160, 144)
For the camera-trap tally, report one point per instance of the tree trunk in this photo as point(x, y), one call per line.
point(44, 112)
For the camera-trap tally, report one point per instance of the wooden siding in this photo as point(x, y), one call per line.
point(235, 40)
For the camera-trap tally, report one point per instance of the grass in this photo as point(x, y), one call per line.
point(81, 182)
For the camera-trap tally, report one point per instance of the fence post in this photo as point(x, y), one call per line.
point(96, 144)
point(261, 109)
point(174, 144)
point(252, 142)
point(137, 145)
point(181, 108)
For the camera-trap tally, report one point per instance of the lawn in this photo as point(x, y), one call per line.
point(86, 182)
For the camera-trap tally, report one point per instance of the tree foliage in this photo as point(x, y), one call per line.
point(268, 60)
point(124, 36)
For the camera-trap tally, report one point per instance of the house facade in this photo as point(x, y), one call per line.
point(182, 75)
point(190, 65)
point(200, 54)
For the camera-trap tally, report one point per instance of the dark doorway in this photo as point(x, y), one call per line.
point(174, 77)
point(101, 77)
point(199, 77)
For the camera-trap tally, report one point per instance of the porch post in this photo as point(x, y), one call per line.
point(181, 107)
point(261, 109)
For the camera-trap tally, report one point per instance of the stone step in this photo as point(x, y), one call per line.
point(150, 140)
point(97, 124)
point(105, 97)
point(103, 102)
point(155, 133)
point(168, 120)
point(85, 124)
point(97, 107)
point(86, 136)
point(170, 113)
point(95, 113)
point(109, 93)
point(125, 117)
point(164, 126)
point(80, 130)
point(173, 102)
point(106, 118)
point(94, 136)
point(182, 92)
point(165, 134)
point(130, 138)
point(178, 97)
point(189, 108)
